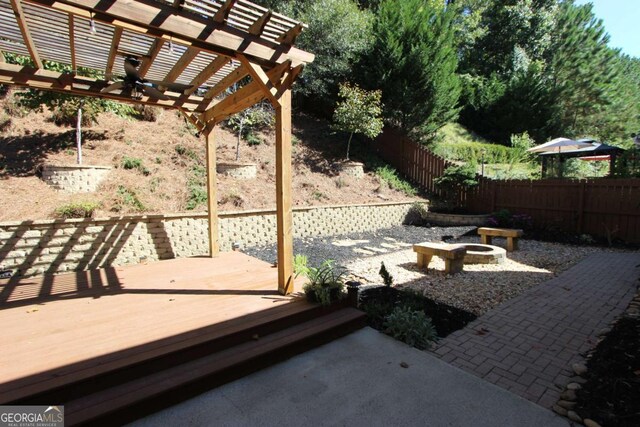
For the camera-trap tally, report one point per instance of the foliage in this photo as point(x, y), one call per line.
point(413, 62)
point(386, 277)
point(587, 76)
point(390, 176)
point(412, 327)
point(359, 111)
point(64, 107)
point(128, 197)
point(338, 34)
point(246, 122)
point(77, 210)
point(628, 164)
point(135, 163)
point(300, 265)
point(472, 151)
point(326, 283)
point(148, 113)
point(455, 179)
point(505, 219)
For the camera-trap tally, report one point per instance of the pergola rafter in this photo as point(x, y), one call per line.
point(209, 45)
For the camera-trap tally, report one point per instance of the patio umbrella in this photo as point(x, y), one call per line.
point(559, 145)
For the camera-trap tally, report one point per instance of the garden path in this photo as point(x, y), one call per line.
point(528, 344)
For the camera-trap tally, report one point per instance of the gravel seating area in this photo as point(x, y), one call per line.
point(477, 289)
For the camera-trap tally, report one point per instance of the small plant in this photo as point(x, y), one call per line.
point(197, 195)
point(388, 175)
point(412, 327)
point(149, 113)
point(340, 182)
point(77, 210)
point(326, 283)
point(386, 277)
point(505, 219)
point(318, 195)
point(5, 121)
point(130, 198)
point(135, 163)
point(233, 198)
point(300, 265)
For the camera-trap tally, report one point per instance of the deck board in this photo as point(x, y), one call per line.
point(74, 322)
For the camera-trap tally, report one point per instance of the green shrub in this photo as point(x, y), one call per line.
point(135, 163)
point(472, 152)
point(77, 210)
point(148, 113)
point(455, 179)
point(412, 327)
point(128, 197)
point(197, 195)
point(389, 175)
point(253, 139)
point(326, 283)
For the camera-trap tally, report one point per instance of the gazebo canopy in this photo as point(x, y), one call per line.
point(209, 45)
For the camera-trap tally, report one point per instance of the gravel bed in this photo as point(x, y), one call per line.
point(346, 248)
point(477, 289)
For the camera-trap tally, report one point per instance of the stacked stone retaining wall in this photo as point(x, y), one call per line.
point(53, 246)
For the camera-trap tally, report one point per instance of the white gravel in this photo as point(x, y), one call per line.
point(479, 287)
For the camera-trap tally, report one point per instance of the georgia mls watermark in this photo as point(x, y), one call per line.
point(31, 416)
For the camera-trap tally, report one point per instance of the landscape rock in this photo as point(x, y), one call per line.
point(568, 395)
point(573, 386)
point(559, 410)
point(573, 416)
point(579, 368)
point(590, 423)
point(566, 404)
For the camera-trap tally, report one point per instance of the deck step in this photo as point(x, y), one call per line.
point(173, 378)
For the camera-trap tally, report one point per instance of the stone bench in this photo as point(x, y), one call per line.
point(453, 255)
point(512, 235)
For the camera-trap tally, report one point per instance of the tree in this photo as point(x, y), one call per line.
point(585, 71)
point(359, 111)
point(338, 34)
point(413, 62)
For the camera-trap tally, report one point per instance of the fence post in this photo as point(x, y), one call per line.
point(581, 206)
point(494, 195)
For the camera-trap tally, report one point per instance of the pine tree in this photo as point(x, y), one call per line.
point(413, 61)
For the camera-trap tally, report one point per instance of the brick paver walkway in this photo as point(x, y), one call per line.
point(527, 344)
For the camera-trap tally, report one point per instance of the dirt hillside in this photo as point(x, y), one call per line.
point(169, 172)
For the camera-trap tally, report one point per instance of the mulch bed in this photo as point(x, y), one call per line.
point(611, 395)
point(445, 318)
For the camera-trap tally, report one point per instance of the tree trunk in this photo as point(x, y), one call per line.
point(239, 139)
point(79, 137)
point(349, 145)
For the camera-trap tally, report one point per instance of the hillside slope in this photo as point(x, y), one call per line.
point(171, 170)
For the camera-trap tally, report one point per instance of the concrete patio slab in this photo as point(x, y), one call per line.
point(363, 379)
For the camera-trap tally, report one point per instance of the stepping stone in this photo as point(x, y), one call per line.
point(348, 243)
point(387, 245)
point(363, 251)
point(379, 250)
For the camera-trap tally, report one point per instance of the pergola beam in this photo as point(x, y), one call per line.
point(182, 63)
point(148, 59)
point(165, 21)
point(258, 26)
point(223, 13)
point(229, 80)
point(115, 42)
point(80, 85)
point(16, 5)
point(206, 73)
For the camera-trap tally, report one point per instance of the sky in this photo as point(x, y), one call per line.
point(622, 21)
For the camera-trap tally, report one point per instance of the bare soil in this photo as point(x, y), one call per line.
point(173, 161)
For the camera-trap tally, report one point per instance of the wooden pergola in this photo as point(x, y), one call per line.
point(206, 44)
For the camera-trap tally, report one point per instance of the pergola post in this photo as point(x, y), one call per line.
point(284, 212)
point(212, 193)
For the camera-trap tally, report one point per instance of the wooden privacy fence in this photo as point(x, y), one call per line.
point(602, 207)
point(412, 160)
point(608, 208)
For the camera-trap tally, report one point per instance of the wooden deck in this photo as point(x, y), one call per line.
point(61, 329)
